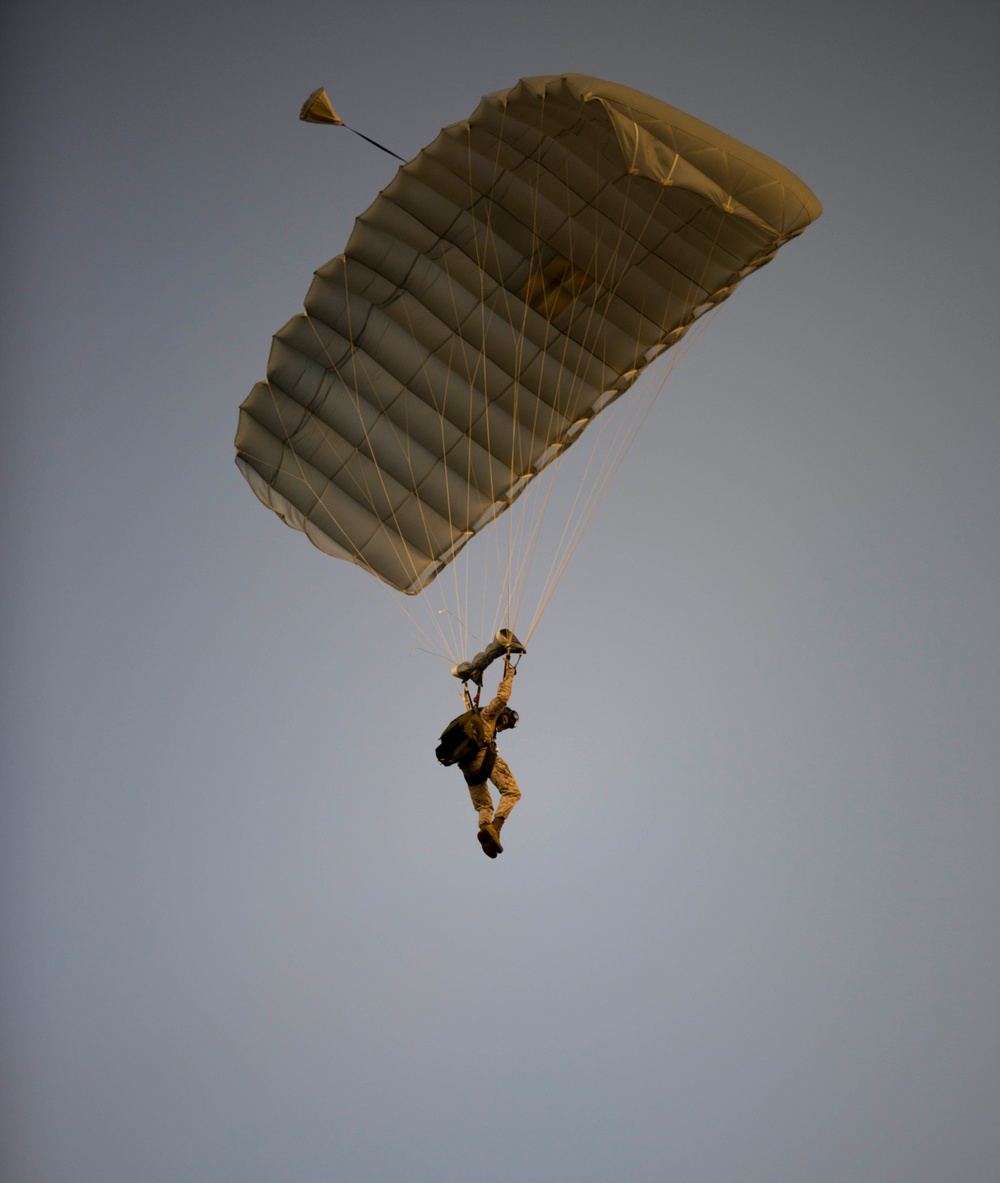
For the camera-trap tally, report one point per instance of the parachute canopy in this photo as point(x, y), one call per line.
point(510, 283)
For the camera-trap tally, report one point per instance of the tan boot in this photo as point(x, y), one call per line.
point(489, 840)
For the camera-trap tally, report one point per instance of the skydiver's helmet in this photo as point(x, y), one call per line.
point(507, 720)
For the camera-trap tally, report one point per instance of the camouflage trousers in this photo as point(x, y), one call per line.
point(510, 794)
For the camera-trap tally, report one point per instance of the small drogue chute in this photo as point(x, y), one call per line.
point(318, 109)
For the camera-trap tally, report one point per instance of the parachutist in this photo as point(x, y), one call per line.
point(470, 742)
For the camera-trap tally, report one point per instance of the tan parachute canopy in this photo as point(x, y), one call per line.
point(510, 283)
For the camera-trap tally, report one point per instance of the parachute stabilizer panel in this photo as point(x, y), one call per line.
point(512, 280)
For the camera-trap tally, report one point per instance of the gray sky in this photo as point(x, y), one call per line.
point(746, 925)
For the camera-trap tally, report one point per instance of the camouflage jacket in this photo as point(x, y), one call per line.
point(480, 764)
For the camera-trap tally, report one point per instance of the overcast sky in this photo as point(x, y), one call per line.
point(746, 923)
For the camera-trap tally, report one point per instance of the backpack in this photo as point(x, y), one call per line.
point(462, 738)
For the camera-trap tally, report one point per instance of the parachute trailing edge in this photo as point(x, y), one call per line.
point(509, 284)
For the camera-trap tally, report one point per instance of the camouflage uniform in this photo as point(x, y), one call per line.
point(477, 768)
